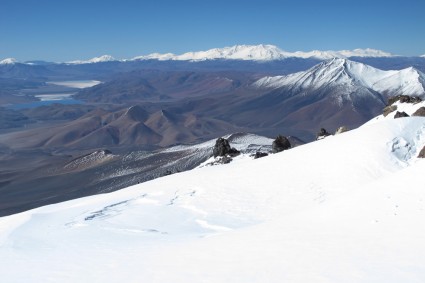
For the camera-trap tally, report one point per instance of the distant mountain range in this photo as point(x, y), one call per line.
point(262, 52)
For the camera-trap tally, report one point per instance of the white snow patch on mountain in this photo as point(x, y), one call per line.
point(103, 58)
point(343, 209)
point(156, 56)
point(8, 61)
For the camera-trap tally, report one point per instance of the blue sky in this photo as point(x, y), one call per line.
point(64, 30)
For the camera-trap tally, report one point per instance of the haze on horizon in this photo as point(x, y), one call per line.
point(64, 31)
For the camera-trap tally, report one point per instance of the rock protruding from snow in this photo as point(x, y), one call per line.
point(281, 143)
point(420, 112)
point(341, 130)
point(422, 153)
point(404, 99)
point(387, 110)
point(223, 148)
point(322, 134)
point(260, 154)
point(401, 115)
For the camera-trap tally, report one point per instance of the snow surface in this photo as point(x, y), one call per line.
point(352, 74)
point(8, 61)
point(349, 208)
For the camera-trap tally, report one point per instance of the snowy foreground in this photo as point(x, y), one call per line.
point(349, 208)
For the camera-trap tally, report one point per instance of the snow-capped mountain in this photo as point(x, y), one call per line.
point(349, 208)
point(262, 52)
point(100, 59)
point(8, 61)
point(350, 75)
point(238, 52)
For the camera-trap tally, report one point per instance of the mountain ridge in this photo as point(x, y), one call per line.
point(260, 52)
point(409, 81)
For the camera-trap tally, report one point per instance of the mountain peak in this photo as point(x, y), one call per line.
point(8, 61)
point(350, 75)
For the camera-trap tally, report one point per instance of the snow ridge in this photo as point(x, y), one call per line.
point(350, 74)
point(262, 52)
point(8, 61)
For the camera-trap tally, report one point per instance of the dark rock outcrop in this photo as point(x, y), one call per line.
point(387, 110)
point(259, 154)
point(281, 143)
point(400, 115)
point(220, 160)
point(322, 134)
point(403, 99)
point(222, 148)
point(422, 153)
point(420, 112)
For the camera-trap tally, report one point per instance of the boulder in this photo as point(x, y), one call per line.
point(259, 154)
point(387, 110)
point(420, 112)
point(222, 148)
point(400, 115)
point(422, 153)
point(281, 143)
point(322, 134)
point(341, 130)
point(404, 99)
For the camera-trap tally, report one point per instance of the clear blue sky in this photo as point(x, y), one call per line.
point(61, 30)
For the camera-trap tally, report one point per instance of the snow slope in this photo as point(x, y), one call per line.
point(349, 208)
point(351, 75)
